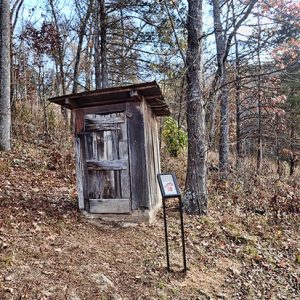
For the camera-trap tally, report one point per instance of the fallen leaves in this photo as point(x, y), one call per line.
point(49, 251)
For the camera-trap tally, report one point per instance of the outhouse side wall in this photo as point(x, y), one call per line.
point(137, 156)
point(151, 130)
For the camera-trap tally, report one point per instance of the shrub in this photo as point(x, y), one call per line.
point(174, 137)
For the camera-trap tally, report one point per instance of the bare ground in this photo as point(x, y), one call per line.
point(48, 250)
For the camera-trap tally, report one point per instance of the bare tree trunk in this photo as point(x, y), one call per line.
point(79, 47)
point(259, 104)
point(97, 46)
point(224, 113)
point(41, 93)
point(239, 142)
point(100, 45)
point(292, 146)
point(123, 60)
point(223, 47)
point(103, 33)
point(13, 19)
point(60, 58)
point(5, 73)
point(195, 198)
point(88, 65)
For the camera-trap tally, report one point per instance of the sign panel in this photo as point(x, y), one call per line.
point(168, 185)
point(169, 189)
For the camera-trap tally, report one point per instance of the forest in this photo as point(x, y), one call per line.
point(229, 71)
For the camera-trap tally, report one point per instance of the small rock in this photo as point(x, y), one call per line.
point(116, 297)
point(47, 293)
point(46, 272)
point(235, 271)
point(8, 277)
point(73, 296)
point(101, 279)
point(129, 224)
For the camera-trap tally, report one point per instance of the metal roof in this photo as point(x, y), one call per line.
point(150, 91)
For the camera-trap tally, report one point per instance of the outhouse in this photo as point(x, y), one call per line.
point(117, 149)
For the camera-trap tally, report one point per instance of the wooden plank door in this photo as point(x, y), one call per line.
point(106, 154)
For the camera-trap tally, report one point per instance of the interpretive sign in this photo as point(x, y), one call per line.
point(169, 189)
point(168, 185)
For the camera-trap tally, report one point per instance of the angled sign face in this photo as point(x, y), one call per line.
point(168, 185)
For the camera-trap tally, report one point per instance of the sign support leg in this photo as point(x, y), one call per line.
point(182, 235)
point(166, 235)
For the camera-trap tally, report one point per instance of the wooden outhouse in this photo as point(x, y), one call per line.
point(117, 149)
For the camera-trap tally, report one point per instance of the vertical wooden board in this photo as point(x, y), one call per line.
point(115, 156)
point(137, 156)
point(108, 154)
point(123, 154)
point(91, 145)
point(155, 139)
point(151, 176)
point(103, 183)
point(82, 173)
point(102, 177)
point(79, 173)
point(90, 154)
point(152, 155)
point(147, 150)
point(78, 120)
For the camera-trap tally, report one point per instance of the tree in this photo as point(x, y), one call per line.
point(60, 55)
point(223, 46)
point(82, 29)
point(101, 68)
point(195, 200)
point(5, 75)
point(224, 95)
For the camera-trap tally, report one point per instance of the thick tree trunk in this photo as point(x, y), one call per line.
point(5, 65)
point(195, 199)
point(224, 113)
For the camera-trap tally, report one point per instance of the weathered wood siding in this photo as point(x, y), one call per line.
point(106, 155)
point(81, 172)
point(117, 158)
point(152, 154)
point(102, 160)
point(137, 156)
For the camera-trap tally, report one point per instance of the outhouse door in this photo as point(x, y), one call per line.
point(106, 153)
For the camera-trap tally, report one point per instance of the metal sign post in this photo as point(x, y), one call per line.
point(169, 189)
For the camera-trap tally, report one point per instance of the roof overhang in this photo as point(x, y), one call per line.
point(149, 91)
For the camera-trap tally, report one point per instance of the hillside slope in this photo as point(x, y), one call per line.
point(48, 250)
